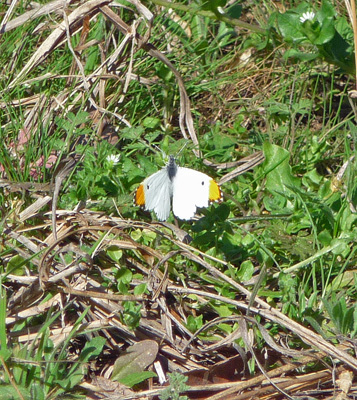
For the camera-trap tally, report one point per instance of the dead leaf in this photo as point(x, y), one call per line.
point(135, 359)
point(344, 381)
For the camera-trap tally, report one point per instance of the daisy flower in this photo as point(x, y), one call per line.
point(113, 159)
point(307, 16)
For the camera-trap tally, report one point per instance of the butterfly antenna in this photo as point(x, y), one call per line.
point(154, 148)
point(164, 155)
point(180, 151)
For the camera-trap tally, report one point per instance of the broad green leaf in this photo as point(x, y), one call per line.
point(223, 311)
point(314, 176)
point(71, 380)
point(151, 122)
point(343, 27)
point(16, 265)
point(227, 328)
point(343, 280)
point(194, 323)
point(326, 34)
point(325, 237)
point(8, 392)
point(37, 391)
point(92, 348)
point(137, 377)
point(326, 12)
point(222, 212)
point(131, 312)
point(140, 289)
point(277, 170)
point(124, 275)
point(230, 245)
point(246, 271)
point(115, 253)
point(348, 321)
point(198, 28)
point(340, 246)
point(289, 26)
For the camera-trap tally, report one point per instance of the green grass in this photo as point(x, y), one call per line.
point(284, 237)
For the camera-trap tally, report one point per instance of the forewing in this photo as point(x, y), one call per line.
point(158, 192)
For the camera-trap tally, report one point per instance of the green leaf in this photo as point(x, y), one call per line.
point(71, 380)
point(289, 25)
point(37, 391)
point(222, 212)
point(122, 287)
point(343, 280)
point(277, 170)
point(326, 12)
point(230, 245)
point(194, 323)
point(16, 265)
point(235, 10)
point(338, 51)
point(131, 313)
point(223, 311)
point(198, 28)
point(124, 275)
point(339, 246)
point(176, 29)
point(92, 349)
point(246, 271)
point(140, 289)
point(212, 5)
point(151, 122)
point(343, 27)
point(315, 325)
point(115, 253)
point(300, 55)
point(348, 321)
point(5, 354)
point(314, 176)
point(164, 73)
point(138, 377)
point(325, 237)
point(8, 392)
point(326, 34)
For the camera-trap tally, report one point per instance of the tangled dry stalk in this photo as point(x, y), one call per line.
point(79, 283)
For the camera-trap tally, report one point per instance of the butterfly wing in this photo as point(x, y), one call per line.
point(192, 189)
point(155, 193)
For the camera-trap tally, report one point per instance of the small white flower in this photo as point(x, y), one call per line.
point(113, 159)
point(307, 16)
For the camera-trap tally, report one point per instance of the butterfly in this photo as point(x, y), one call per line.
point(186, 188)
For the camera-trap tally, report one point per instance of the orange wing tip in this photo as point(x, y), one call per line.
point(140, 196)
point(215, 193)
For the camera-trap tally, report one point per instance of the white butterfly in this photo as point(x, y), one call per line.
point(187, 188)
